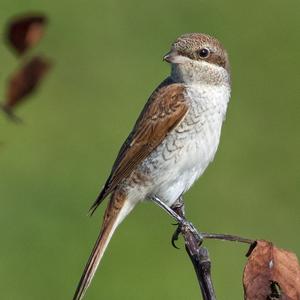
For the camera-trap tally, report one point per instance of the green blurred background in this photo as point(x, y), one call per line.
point(53, 166)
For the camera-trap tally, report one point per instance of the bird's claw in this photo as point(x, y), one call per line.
point(176, 235)
point(183, 227)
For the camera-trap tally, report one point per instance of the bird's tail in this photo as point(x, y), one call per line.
point(118, 208)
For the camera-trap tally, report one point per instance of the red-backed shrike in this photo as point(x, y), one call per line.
point(174, 139)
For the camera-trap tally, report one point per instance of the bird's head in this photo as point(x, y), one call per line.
point(198, 58)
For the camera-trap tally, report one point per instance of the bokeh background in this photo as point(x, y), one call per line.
point(108, 59)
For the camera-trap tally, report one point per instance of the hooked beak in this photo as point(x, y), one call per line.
point(173, 57)
point(168, 57)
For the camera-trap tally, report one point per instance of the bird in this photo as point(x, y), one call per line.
point(173, 140)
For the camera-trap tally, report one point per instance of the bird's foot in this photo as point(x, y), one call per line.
point(178, 208)
point(183, 227)
point(175, 235)
point(197, 234)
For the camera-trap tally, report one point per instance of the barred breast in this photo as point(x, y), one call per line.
point(183, 156)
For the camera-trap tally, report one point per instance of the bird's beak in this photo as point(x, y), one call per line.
point(173, 57)
point(170, 56)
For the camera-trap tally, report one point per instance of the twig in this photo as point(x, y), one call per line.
point(226, 237)
point(200, 258)
point(198, 254)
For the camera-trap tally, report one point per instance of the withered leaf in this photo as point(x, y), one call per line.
point(24, 82)
point(24, 32)
point(271, 273)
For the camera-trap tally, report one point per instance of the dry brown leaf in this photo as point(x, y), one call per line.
point(271, 273)
point(24, 82)
point(24, 32)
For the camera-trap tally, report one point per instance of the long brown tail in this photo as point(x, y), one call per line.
point(117, 209)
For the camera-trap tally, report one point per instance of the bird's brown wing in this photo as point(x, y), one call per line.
point(163, 112)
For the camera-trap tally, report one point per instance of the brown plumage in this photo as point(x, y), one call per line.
point(162, 112)
point(188, 45)
point(115, 204)
point(173, 140)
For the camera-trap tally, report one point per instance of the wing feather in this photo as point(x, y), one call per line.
point(162, 113)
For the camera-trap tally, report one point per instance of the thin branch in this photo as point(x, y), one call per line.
point(198, 254)
point(226, 237)
point(203, 235)
point(200, 258)
point(193, 244)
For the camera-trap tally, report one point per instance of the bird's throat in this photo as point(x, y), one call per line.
point(195, 72)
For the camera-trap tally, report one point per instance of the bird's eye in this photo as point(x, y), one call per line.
point(204, 52)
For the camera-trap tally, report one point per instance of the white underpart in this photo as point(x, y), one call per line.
point(197, 147)
point(189, 148)
point(183, 156)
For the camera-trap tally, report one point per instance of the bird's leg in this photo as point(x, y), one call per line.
point(179, 216)
point(167, 209)
point(178, 207)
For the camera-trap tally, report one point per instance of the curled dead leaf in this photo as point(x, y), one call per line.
point(24, 32)
point(24, 82)
point(271, 273)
